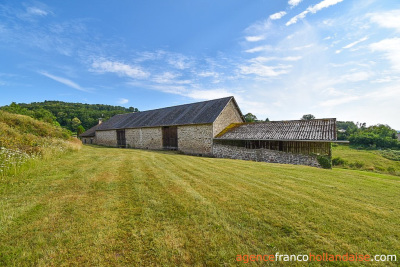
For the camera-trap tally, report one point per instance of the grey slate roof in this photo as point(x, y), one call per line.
point(195, 113)
point(90, 132)
point(310, 130)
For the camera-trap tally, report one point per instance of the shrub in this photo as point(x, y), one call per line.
point(357, 164)
point(391, 170)
point(325, 161)
point(338, 161)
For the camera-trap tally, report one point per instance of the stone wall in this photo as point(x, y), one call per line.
point(229, 114)
point(265, 155)
point(106, 138)
point(88, 140)
point(195, 139)
point(144, 138)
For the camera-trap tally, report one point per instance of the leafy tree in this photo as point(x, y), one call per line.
point(266, 119)
point(308, 117)
point(376, 136)
point(75, 122)
point(80, 130)
point(249, 117)
point(345, 129)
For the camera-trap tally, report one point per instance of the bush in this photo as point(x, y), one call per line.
point(391, 154)
point(357, 164)
point(325, 162)
point(338, 161)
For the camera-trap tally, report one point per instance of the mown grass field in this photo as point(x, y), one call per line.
point(115, 207)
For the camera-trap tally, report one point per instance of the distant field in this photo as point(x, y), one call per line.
point(369, 160)
point(107, 206)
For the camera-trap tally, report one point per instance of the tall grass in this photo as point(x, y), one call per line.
point(24, 140)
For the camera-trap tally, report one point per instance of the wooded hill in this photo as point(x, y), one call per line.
point(67, 115)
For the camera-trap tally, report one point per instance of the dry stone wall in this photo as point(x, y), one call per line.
point(144, 138)
point(265, 155)
point(195, 139)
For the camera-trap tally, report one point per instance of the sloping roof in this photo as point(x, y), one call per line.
point(195, 113)
point(311, 130)
point(90, 132)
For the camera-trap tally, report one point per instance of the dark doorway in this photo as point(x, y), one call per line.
point(121, 141)
point(170, 137)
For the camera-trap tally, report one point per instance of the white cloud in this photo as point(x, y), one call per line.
point(64, 81)
point(254, 38)
point(390, 48)
point(178, 61)
point(208, 94)
point(356, 42)
point(351, 44)
point(294, 3)
point(277, 15)
point(313, 9)
point(390, 19)
point(119, 68)
point(338, 101)
point(36, 11)
point(263, 70)
point(266, 59)
point(123, 101)
point(259, 49)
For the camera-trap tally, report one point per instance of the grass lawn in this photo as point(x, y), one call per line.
point(107, 206)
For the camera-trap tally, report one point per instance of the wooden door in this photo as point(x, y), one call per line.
point(170, 137)
point(121, 141)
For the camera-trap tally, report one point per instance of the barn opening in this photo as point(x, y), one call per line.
point(170, 137)
point(121, 141)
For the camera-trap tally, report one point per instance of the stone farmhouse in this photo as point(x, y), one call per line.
point(217, 128)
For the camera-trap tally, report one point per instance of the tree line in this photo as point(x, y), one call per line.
point(76, 117)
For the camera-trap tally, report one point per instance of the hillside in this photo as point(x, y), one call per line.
point(63, 113)
point(125, 207)
point(381, 161)
point(23, 138)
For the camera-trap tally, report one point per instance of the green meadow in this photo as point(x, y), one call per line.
point(124, 207)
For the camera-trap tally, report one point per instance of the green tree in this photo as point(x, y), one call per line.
point(267, 119)
point(249, 117)
point(75, 122)
point(80, 130)
point(308, 117)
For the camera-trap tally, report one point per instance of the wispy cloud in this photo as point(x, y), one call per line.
point(313, 9)
point(264, 70)
point(254, 38)
point(36, 11)
point(64, 81)
point(277, 15)
point(390, 49)
point(390, 19)
point(294, 3)
point(123, 101)
point(259, 49)
point(352, 44)
point(121, 69)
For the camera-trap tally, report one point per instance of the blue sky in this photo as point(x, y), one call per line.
point(280, 59)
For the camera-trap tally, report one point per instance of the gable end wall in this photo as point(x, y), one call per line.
point(229, 114)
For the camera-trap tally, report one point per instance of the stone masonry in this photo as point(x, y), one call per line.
point(144, 138)
point(228, 115)
point(195, 139)
point(264, 155)
point(106, 138)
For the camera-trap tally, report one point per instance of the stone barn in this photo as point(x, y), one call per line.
point(217, 128)
point(305, 142)
point(188, 128)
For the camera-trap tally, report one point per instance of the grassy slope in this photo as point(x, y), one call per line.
point(105, 206)
point(372, 159)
